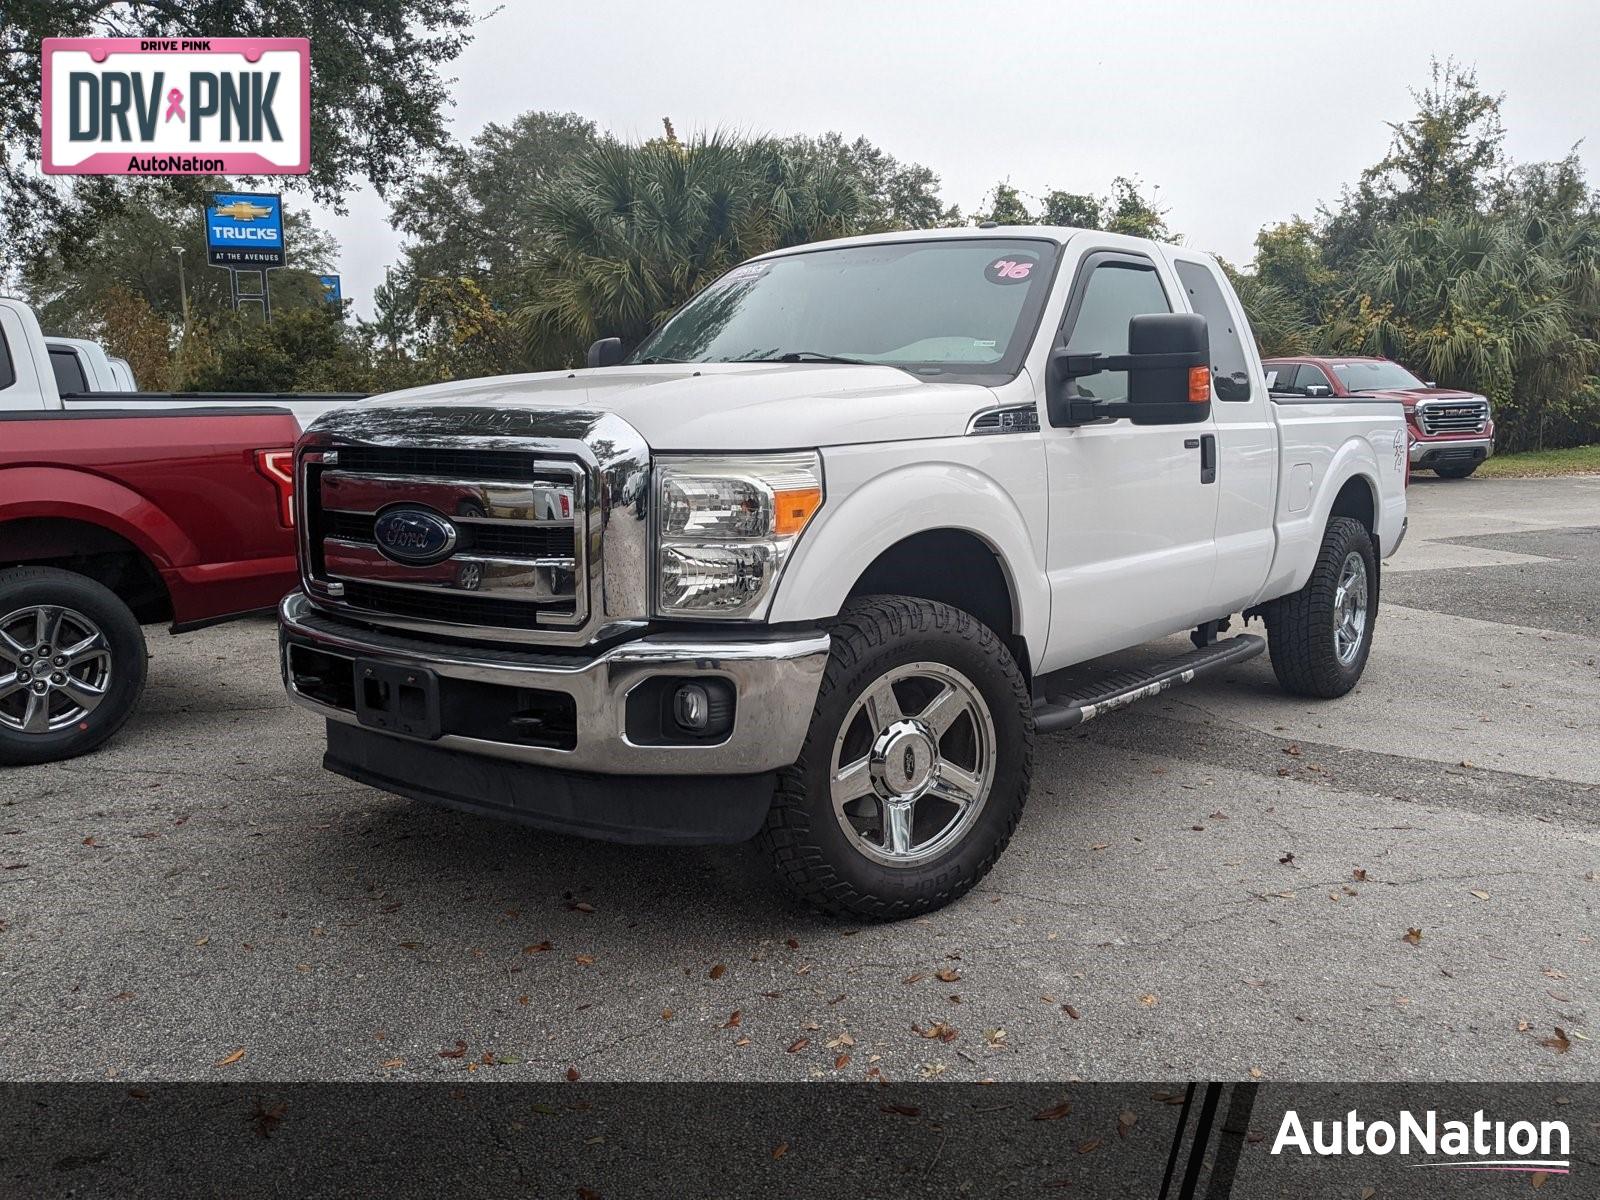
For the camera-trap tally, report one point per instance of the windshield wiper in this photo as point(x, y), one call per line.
point(794, 356)
point(656, 358)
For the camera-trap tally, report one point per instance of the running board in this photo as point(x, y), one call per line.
point(1119, 689)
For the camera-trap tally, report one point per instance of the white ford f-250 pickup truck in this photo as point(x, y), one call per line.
point(811, 565)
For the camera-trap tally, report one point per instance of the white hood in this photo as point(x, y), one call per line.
point(733, 406)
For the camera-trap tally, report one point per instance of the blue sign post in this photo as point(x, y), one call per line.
point(244, 234)
point(332, 290)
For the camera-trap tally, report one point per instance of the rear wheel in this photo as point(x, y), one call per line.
point(1458, 472)
point(1321, 635)
point(72, 664)
point(916, 766)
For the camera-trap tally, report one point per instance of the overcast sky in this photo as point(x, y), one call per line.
point(1240, 113)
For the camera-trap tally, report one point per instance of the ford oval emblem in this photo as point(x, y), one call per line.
point(414, 536)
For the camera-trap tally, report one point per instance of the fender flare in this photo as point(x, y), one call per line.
point(908, 500)
point(74, 495)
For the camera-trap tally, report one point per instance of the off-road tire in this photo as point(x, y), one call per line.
point(21, 587)
point(1300, 625)
point(803, 837)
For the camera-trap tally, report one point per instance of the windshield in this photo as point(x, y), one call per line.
point(951, 307)
point(1372, 376)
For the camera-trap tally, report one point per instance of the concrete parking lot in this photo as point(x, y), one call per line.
point(1224, 882)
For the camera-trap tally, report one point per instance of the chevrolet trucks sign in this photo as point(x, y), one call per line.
point(177, 106)
point(244, 230)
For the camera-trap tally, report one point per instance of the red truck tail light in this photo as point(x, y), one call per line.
point(278, 466)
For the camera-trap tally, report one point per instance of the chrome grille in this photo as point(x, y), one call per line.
point(518, 560)
point(1452, 416)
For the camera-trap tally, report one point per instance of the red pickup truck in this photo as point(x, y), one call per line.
point(1450, 432)
point(112, 518)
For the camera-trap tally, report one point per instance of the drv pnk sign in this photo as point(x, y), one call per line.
point(177, 106)
point(244, 230)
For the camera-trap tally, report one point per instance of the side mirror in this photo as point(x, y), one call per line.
point(1316, 391)
point(607, 352)
point(1169, 374)
point(1430, 384)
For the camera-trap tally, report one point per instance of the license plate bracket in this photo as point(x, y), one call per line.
point(397, 699)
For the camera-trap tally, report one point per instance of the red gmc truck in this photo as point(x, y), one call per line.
point(113, 517)
point(1450, 432)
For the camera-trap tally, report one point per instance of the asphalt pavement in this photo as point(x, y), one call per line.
point(1225, 882)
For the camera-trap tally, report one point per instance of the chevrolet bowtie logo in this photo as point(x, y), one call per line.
point(243, 210)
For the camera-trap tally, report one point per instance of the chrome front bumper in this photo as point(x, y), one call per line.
point(776, 680)
point(1435, 447)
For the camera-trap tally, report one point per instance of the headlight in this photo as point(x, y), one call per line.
point(725, 526)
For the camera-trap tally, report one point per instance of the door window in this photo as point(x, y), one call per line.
point(1310, 376)
point(1116, 292)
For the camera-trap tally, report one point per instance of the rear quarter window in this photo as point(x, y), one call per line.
point(8, 372)
point(68, 371)
point(1230, 369)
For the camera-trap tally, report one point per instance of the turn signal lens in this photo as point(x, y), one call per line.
point(792, 508)
point(1199, 385)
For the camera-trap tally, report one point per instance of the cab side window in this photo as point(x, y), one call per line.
point(8, 373)
point(1117, 291)
point(1310, 376)
point(1230, 369)
point(68, 370)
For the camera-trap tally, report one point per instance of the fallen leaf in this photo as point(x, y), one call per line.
point(938, 1030)
point(1149, 1000)
point(841, 1062)
point(228, 1060)
point(1055, 1113)
point(1368, 1193)
point(666, 1014)
point(744, 1041)
point(538, 948)
point(1292, 750)
point(1099, 845)
point(718, 971)
point(460, 1051)
point(1538, 1179)
point(798, 1045)
point(734, 1018)
point(1070, 1011)
point(584, 960)
point(1552, 973)
point(948, 975)
point(1089, 1147)
point(393, 1064)
point(1480, 895)
point(792, 943)
point(524, 1000)
point(1126, 1120)
point(588, 1194)
point(780, 1150)
point(1255, 1072)
point(572, 1075)
point(1287, 859)
point(1560, 1043)
point(900, 1110)
point(1359, 874)
point(582, 906)
point(918, 977)
point(1414, 936)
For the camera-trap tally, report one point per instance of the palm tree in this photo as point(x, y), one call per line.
point(629, 233)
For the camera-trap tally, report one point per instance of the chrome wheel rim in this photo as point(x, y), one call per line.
point(913, 764)
point(1350, 609)
point(55, 668)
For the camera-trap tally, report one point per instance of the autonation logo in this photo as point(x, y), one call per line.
point(1476, 1145)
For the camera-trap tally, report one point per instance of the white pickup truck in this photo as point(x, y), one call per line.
point(57, 374)
point(822, 556)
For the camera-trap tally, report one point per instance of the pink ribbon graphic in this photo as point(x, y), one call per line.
point(175, 105)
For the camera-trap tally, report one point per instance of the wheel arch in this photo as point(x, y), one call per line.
point(92, 550)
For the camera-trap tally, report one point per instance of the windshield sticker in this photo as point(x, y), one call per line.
point(1010, 270)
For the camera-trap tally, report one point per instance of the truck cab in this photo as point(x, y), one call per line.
point(824, 554)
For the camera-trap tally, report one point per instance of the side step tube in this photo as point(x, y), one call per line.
point(1121, 689)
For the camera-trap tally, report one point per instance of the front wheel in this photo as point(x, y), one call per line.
point(1321, 635)
point(916, 766)
point(72, 664)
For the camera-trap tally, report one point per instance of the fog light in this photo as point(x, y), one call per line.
point(691, 707)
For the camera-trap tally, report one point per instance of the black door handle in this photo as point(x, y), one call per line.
point(1208, 458)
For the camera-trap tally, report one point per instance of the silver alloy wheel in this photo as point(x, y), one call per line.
point(913, 764)
point(55, 668)
point(1350, 608)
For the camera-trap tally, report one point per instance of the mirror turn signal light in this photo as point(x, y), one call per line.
point(1199, 385)
point(793, 507)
